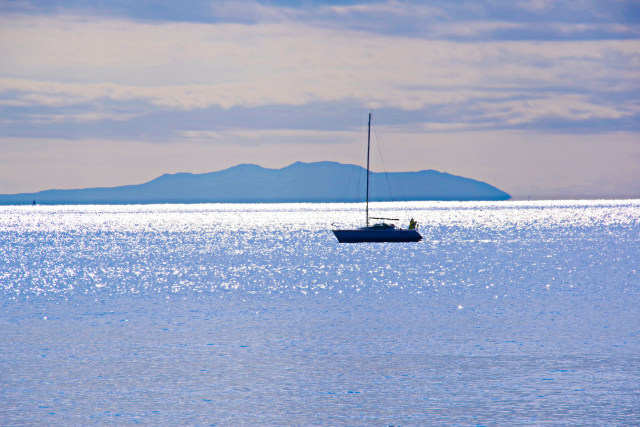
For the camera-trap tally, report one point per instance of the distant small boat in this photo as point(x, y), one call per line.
point(381, 232)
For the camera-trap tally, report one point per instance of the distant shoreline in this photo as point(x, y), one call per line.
point(317, 182)
point(568, 200)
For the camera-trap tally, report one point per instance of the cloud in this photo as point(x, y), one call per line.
point(195, 66)
point(471, 20)
point(267, 137)
point(389, 8)
point(584, 10)
point(246, 11)
point(537, 5)
point(555, 106)
point(533, 30)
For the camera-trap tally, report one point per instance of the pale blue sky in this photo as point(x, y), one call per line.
point(538, 97)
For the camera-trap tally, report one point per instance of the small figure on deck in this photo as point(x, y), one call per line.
point(412, 224)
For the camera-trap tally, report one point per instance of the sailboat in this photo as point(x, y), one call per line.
point(380, 232)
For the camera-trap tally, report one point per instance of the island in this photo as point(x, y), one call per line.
point(316, 182)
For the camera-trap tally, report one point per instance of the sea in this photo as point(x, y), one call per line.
point(507, 313)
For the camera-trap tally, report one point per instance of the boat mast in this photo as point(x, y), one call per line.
point(368, 149)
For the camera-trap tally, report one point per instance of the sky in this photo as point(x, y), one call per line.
point(540, 98)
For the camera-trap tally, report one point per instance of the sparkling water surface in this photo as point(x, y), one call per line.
point(508, 313)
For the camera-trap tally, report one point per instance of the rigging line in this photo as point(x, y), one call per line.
point(386, 174)
point(396, 180)
point(362, 154)
point(355, 167)
point(358, 185)
point(398, 187)
point(346, 189)
point(355, 196)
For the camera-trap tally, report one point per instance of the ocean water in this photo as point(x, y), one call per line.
point(509, 313)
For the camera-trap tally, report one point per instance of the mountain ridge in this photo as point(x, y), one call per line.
point(316, 182)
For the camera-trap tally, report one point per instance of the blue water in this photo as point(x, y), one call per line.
point(510, 313)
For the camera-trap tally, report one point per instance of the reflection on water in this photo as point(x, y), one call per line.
point(507, 313)
point(289, 248)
